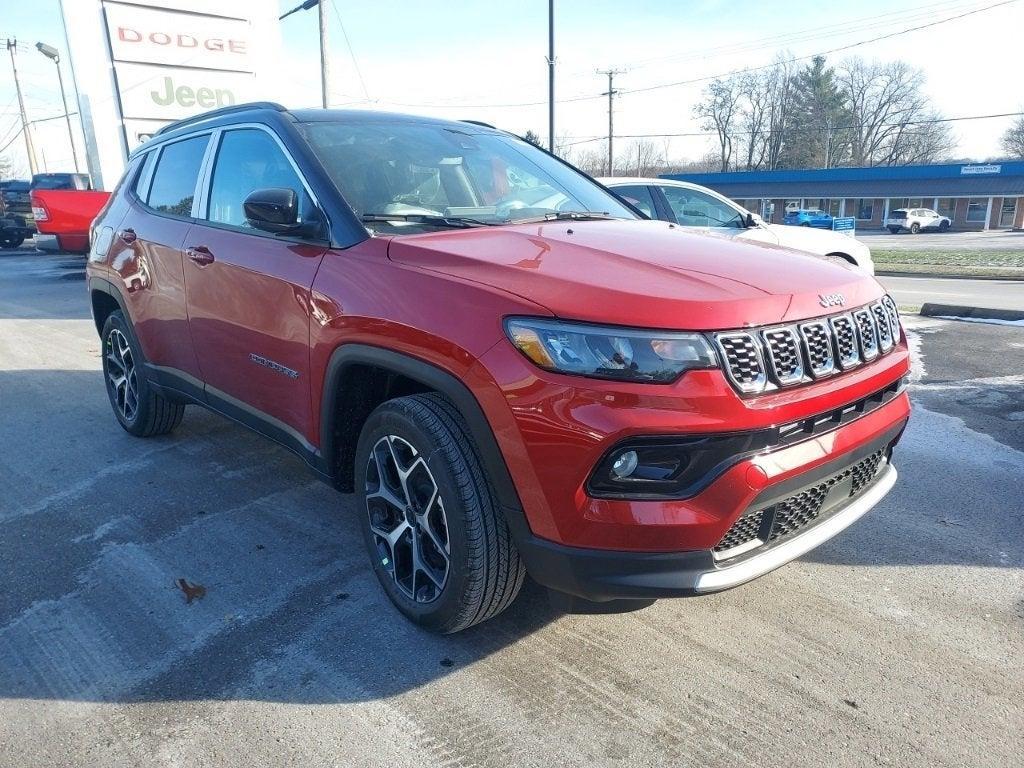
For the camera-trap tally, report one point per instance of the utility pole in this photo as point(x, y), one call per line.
point(325, 66)
point(551, 76)
point(25, 128)
point(610, 93)
point(54, 55)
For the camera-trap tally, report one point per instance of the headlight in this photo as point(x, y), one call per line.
point(603, 352)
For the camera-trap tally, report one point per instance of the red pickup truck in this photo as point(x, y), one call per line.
point(65, 215)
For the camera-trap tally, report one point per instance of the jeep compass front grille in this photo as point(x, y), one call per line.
point(762, 526)
point(787, 355)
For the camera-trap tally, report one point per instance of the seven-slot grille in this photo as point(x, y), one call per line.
point(758, 527)
point(783, 356)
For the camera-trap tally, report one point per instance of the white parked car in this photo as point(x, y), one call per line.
point(916, 219)
point(697, 207)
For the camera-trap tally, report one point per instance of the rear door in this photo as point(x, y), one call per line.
point(147, 256)
point(249, 291)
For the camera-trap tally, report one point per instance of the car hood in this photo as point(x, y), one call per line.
point(639, 273)
point(819, 241)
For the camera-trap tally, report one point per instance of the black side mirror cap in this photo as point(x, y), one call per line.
point(274, 209)
point(750, 221)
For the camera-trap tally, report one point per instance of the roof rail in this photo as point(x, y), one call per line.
point(218, 112)
point(478, 122)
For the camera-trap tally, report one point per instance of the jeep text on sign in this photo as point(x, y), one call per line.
point(169, 93)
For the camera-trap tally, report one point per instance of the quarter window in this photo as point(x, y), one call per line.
point(976, 208)
point(174, 181)
point(249, 159)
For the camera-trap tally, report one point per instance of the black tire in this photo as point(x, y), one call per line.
point(11, 241)
point(915, 228)
point(805, 224)
point(944, 226)
point(894, 230)
point(483, 573)
point(152, 414)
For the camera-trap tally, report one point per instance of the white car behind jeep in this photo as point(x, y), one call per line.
point(915, 220)
point(696, 207)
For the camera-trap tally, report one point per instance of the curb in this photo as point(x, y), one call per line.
point(978, 313)
point(946, 275)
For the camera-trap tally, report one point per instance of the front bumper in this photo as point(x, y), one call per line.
point(604, 575)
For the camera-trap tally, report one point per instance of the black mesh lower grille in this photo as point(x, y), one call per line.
point(793, 514)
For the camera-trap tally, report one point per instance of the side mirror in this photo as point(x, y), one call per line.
point(751, 221)
point(273, 210)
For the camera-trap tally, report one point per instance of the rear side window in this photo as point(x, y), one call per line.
point(174, 181)
point(249, 159)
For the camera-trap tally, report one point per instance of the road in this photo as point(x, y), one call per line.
point(989, 294)
point(994, 240)
point(898, 643)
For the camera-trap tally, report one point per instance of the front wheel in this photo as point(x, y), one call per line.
point(915, 228)
point(11, 241)
point(437, 539)
point(138, 407)
point(944, 226)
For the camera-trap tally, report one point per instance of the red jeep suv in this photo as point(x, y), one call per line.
point(512, 369)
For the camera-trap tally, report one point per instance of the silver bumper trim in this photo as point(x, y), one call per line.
point(730, 576)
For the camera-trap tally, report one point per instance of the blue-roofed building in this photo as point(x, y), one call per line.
point(974, 197)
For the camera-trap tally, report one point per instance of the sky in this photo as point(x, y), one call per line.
point(487, 61)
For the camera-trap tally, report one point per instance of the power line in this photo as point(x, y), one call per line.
point(590, 97)
point(351, 52)
point(768, 131)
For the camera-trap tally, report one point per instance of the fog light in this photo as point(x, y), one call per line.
point(625, 464)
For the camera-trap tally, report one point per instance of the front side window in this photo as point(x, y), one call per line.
point(977, 207)
point(639, 196)
point(468, 174)
point(693, 208)
point(249, 159)
point(174, 180)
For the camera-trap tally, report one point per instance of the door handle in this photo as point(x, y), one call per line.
point(200, 254)
point(127, 236)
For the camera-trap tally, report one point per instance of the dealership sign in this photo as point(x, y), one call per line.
point(977, 170)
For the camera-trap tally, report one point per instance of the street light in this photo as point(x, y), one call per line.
point(325, 73)
point(52, 53)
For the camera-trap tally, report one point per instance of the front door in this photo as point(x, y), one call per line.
point(249, 291)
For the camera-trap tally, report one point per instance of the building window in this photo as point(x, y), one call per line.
point(977, 207)
point(895, 203)
point(812, 203)
point(833, 207)
point(915, 202)
point(946, 206)
point(1008, 212)
point(865, 209)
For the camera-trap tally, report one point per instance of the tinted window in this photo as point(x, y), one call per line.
point(638, 195)
point(248, 159)
point(699, 209)
point(174, 182)
point(141, 186)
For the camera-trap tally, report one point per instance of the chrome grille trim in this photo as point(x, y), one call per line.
point(845, 333)
point(867, 334)
point(817, 343)
point(778, 356)
point(782, 351)
point(744, 361)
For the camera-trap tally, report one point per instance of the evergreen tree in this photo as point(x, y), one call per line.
point(816, 138)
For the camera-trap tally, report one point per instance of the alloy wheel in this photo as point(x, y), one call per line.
point(407, 519)
point(121, 374)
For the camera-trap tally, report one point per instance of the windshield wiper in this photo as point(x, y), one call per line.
point(454, 222)
point(564, 215)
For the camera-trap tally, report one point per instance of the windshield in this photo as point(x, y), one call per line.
point(438, 175)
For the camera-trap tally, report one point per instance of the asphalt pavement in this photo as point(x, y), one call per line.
point(898, 643)
point(993, 240)
point(990, 294)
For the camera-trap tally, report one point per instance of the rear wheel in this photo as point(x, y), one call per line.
point(438, 542)
point(805, 224)
point(943, 226)
point(894, 230)
point(138, 407)
point(915, 228)
point(11, 241)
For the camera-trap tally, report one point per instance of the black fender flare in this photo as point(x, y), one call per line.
point(434, 378)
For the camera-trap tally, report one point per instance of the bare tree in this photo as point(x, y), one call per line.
point(891, 121)
point(1012, 141)
point(718, 112)
point(642, 158)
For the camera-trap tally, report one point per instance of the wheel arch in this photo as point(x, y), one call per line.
point(104, 299)
point(339, 428)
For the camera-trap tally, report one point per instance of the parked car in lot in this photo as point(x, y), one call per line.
point(61, 181)
point(513, 372)
point(16, 224)
point(808, 217)
point(701, 209)
point(914, 220)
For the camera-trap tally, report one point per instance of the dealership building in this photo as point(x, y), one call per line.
point(974, 197)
